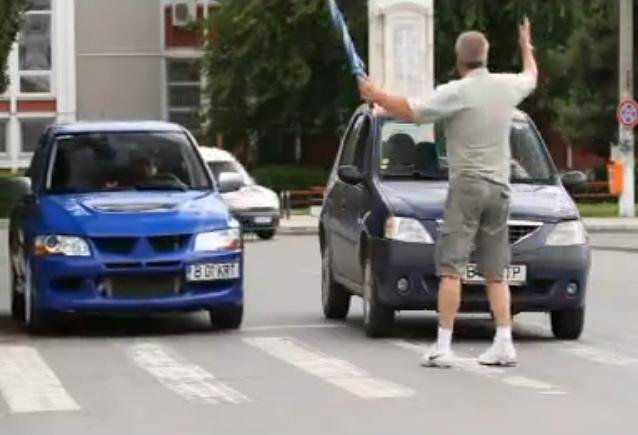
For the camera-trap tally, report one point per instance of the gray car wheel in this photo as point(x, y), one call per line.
point(378, 320)
point(568, 324)
point(335, 300)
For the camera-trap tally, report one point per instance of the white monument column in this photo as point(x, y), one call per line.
point(402, 45)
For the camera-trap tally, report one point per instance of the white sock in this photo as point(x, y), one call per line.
point(503, 333)
point(444, 339)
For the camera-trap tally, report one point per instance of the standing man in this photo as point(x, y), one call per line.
point(477, 111)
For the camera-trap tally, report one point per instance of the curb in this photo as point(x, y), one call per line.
point(297, 231)
point(309, 230)
point(618, 229)
point(597, 229)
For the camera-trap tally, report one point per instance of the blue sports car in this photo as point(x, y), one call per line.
point(123, 217)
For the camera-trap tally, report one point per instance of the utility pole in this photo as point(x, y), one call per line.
point(625, 81)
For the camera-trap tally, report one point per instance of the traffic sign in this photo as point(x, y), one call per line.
point(628, 112)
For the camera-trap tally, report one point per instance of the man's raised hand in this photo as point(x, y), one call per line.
point(525, 35)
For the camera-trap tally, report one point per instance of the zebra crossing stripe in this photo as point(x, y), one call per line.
point(190, 381)
point(29, 385)
point(504, 375)
point(337, 372)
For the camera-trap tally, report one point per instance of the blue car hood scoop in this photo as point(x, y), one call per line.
point(140, 207)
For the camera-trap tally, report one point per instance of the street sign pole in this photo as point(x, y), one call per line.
point(625, 80)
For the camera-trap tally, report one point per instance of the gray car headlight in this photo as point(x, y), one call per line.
point(568, 233)
point(229, 239)
point(407, 230)
point(70, 246)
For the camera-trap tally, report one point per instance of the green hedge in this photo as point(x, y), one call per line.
point(290, 177)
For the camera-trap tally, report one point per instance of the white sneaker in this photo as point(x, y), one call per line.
point(500, 353)
point(435, 357)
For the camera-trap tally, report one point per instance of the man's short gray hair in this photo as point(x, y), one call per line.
point(472, 49)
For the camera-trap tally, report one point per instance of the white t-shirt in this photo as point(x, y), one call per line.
point(477, 111)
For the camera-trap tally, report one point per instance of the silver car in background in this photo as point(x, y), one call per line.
point(255, 207)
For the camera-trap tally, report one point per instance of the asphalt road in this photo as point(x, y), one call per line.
point(289, 372)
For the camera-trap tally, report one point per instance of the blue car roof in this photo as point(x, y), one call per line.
point(116, 126)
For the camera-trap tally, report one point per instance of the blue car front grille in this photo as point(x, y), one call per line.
point(128, 245)
point(143, 286)
point(115, 245)
point(169, 243)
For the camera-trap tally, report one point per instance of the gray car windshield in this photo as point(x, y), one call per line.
point(419, 151)
point(98, 162)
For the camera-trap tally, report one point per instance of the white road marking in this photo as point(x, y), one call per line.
point(587, 352)
point(601, 356)
point(337, 372)
point(302, 326)
point(499, 374)
point(29, 385)
point(190, 381)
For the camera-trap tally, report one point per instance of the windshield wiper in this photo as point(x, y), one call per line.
point(537, 181)
point(416, 175)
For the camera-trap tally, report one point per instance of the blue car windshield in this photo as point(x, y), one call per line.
point(419, 151)
point(98, 162)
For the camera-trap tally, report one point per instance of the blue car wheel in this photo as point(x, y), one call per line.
point(35, 320)
point(229, 317)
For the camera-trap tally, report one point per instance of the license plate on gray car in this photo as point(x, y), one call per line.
point(515, 274)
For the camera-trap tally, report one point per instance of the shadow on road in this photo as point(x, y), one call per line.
point(479, 328)
point(147, 325)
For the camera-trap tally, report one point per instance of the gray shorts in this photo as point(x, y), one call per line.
point(476, 214)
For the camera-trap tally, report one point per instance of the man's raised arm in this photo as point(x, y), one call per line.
point(527, 48)
point(392, 105)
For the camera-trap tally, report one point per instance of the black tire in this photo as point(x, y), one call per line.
point(568, 324)
point(378, 320)
point(229, 317)
point(37, 322)
point(17, 299)
point(335, 300)
point(266, 234)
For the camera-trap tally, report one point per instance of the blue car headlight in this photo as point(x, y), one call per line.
point(70, 246)
point(229, 239)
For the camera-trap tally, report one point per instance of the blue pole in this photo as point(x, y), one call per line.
point(356, 64)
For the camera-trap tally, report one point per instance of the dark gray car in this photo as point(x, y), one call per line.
point(383, 212)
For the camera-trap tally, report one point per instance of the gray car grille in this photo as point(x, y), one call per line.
point(518, 229)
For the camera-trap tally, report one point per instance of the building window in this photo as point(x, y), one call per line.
point(184, 92)
point(3, 137)
point(34, 48)
point(32, 129)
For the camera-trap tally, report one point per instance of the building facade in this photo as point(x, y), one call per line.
point(100, 60)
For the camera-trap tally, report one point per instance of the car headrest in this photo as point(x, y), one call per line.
point(427, 155)
point(399, 150)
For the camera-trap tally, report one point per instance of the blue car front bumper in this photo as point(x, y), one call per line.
point(65, 284)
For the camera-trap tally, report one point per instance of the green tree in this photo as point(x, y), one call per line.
point(276, 66)
point(10, 19)
point(587, 110)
